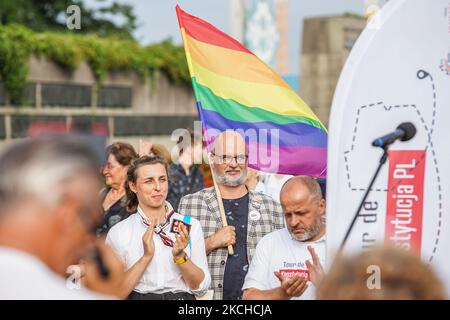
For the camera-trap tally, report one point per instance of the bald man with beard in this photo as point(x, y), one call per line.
point(250, 216)
point(288, 262)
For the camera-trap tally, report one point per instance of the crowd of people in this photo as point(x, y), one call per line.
point(155, 230)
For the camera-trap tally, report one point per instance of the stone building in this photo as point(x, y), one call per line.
point(124, 106)
point(327, 42)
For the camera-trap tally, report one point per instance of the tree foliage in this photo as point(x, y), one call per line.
point(103, 54)
point(51, 15)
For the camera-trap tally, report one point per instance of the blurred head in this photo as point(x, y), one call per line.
point(159, 150)
point(147, 183)
point(304, 208)
point(189, 149)
point(229, 159)
point(49, 194)
point(119, 158)
point(401, 276)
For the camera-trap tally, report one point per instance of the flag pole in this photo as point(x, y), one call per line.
point(221, 208)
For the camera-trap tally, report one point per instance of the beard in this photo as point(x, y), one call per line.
point(228, 181)
point(310, 232)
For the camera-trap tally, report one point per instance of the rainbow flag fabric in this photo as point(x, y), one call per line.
point(235, 90)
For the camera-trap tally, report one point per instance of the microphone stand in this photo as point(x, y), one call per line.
point(380, 165)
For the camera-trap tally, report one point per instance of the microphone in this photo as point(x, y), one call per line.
point(405, 131)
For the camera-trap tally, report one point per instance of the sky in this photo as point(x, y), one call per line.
point(157, 19)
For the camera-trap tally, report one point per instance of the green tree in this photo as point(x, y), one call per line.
point(50, 15)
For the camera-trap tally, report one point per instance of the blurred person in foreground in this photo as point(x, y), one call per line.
point(48, 215)
point(185, 176)
point(163, 250)
point(281, 267)
point(113, 198)
point(383, 273)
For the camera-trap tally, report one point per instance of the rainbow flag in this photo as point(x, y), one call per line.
point(235, 90)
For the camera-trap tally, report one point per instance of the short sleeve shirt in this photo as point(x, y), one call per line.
point(278, 251)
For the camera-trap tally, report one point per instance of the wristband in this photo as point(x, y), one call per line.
point(181, 260)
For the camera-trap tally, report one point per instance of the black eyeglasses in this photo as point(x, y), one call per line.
point(227, 159)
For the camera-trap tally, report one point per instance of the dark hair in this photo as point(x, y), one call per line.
point(123, 152)
point(132, 200)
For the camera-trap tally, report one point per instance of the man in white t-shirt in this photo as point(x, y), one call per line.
point(281, 267)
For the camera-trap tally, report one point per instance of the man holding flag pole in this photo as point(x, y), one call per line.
point(249, 216)
point(236, 91)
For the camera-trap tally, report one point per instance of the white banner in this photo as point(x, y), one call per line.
point(398, 71)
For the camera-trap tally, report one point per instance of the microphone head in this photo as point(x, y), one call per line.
point(409, 129)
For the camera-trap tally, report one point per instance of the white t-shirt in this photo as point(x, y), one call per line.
point(278, 251)
point(25, 277)
point(162, 274)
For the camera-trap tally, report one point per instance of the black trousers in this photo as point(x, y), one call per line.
point(163, 296)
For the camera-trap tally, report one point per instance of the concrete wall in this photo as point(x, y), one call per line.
point(327, 41)
point(150, 97)
point(127, 105)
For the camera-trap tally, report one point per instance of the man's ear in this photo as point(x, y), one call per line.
point(322, 206)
